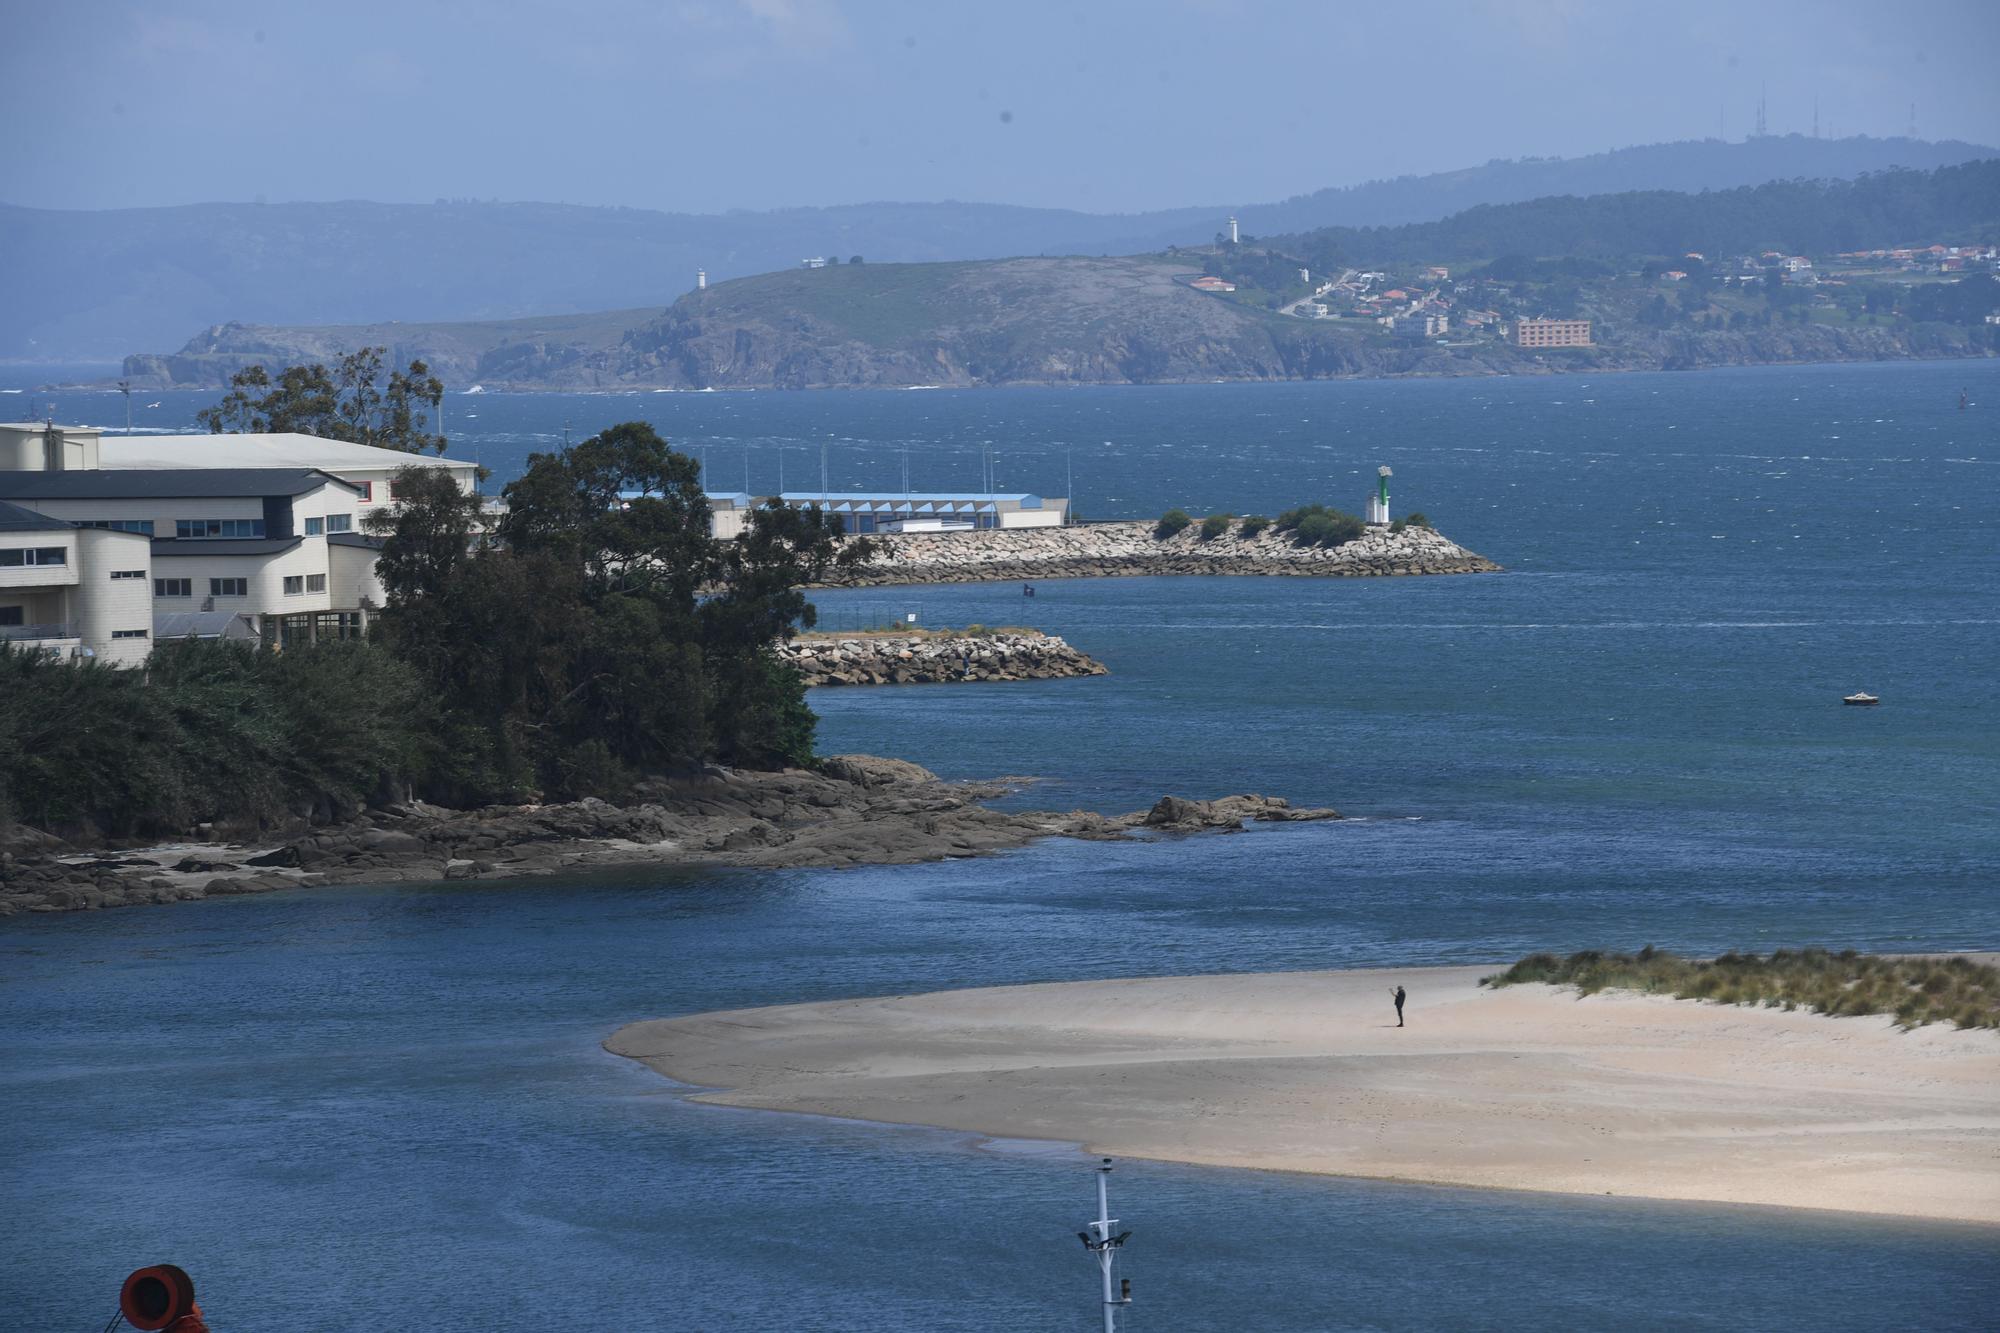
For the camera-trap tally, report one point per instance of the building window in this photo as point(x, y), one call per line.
point(218, 527)
point(315, 583)
point(128, 573)
point(128, 634)
point(340, 522)
point(34, 555)
point(13, 615)
point(367, 491)
point(294, 585)
point(315, 527)
point(173, 587)
point(139, 525)
point(229, 587)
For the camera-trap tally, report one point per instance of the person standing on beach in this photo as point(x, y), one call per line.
point(1398, 992)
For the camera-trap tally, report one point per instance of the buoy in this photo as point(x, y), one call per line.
point(161, 1297)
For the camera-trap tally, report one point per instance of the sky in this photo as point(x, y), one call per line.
point(1099, 105)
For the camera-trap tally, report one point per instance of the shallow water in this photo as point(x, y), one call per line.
point(364, 1108)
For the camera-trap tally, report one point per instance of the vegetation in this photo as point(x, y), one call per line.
point(213, 731)
point(599, 635)
point(1797, 216)
point(1414, 519)
point(1215, 525)
point(1915, 990)
point(1253, 525)
point(338, 404)
point(1320, 525)
point(1171, 523)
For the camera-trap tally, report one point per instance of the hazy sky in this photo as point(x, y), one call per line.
point(705, 105)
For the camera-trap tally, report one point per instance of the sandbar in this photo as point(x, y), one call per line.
point(1526, 1087)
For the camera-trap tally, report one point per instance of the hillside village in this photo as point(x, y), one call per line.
point(1514, 301)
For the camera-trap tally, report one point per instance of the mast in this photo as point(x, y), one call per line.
point(1101, 1241)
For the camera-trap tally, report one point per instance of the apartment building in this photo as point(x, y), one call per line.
point(1552, 333)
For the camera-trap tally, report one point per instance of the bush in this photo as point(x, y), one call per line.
point(1172, 522)
point(1411, 520)
point(1253, 525)
point(1914, 991)
point(1215, 525)
point(1328, 527)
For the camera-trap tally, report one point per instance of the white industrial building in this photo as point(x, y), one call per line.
point(867, 512)
point(215, 535)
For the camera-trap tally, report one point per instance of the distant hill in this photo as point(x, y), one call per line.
point(1139, 319)
point(94, 285)
point(1959, 203)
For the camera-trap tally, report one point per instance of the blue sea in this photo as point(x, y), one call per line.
point(387, 1108)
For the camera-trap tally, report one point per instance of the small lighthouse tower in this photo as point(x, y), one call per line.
point(1233, 237)
point(701, 279)
point(1378, 503)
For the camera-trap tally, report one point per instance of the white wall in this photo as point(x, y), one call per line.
point(264, 575)
point(353, 577)
point(105, 604)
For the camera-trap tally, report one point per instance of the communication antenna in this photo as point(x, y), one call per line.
point(1760, 112)
point(125, 387)
point(1100, 1240)
point(1069, 489)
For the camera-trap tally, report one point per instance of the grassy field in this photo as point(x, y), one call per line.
point(1914, 990)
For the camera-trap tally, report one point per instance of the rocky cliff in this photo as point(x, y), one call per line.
point(1093, 550)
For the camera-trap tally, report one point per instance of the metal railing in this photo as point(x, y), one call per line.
point(52, 630)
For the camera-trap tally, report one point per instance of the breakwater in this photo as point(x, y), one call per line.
point(1096, 550)
point(935, 659)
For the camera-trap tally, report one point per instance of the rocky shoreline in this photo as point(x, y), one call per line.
point(856, 810)
point(1098, 550)
point(935, 659)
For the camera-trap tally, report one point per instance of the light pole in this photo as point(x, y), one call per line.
point(1100, 1241)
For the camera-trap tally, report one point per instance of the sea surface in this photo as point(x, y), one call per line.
point(387, 1108)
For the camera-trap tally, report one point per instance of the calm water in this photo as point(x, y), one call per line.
point(365, 1108)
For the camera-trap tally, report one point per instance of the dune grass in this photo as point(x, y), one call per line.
point(1915, 991)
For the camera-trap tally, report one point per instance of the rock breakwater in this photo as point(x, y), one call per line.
point(1096, 550)
point(935, 659)
point(855, 810)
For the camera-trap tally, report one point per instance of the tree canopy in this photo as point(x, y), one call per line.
point(344, 403)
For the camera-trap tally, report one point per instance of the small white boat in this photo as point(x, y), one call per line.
point(1860, 699)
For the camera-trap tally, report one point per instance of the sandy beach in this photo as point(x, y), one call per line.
point(1522, 1088)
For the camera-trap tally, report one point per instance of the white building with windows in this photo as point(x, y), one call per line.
point(225, 535)
point(74, 592)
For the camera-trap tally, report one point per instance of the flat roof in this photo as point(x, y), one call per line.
point(189, 547)
point(167, 483)
point(274, 450)
point(361, 539)
point(900, 497)
point(13, 518)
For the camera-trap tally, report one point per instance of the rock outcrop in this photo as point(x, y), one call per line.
point(856, 810)
point(1092, 550)
point(935, 659)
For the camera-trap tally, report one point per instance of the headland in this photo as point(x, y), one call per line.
point(1527, 1087)
point(854, 810)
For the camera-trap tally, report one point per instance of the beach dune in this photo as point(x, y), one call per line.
point(1527, 1087)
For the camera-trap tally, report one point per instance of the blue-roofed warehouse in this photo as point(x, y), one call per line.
point(875, 511)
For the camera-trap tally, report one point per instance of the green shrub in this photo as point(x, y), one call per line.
point(1215, 525)
point(1329, 527)
point(1172, 522)
point(1254, 525)
point(1914, 991)
point(1416, 520)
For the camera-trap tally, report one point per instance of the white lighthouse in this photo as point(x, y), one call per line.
point(701, 279)
point(1378, 503)
point(1233, 237)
